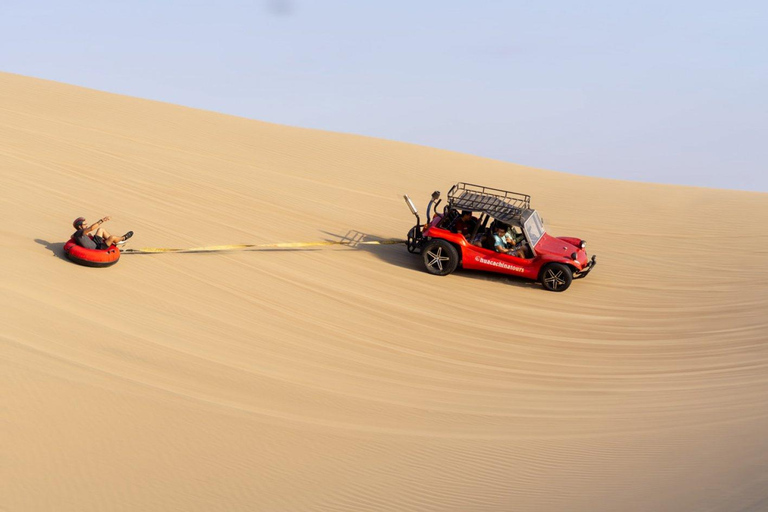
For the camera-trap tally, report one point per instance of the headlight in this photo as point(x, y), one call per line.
point(583, 244)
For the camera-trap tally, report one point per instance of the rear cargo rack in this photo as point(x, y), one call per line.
point(500, 204)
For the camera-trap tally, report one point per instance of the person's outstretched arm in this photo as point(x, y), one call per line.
point(96, 224)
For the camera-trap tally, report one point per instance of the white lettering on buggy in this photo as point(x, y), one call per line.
point(499, 264)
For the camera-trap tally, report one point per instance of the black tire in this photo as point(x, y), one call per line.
point(556, 277)
point(413, 244)
point(440, 257)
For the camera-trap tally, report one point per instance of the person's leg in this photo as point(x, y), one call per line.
point(103, 233)
point(99, 243)
point(113, 239)
point(109, 240)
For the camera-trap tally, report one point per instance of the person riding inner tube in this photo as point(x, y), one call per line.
point(98, 250)
point(101, 239)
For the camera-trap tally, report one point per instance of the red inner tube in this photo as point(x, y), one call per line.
point(91, 257)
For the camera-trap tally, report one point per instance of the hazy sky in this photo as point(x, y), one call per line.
point(662, 91)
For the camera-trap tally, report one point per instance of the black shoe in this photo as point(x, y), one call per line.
point(127, 235)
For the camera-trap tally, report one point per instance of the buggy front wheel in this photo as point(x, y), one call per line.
point(440, 257)
point(556, 277)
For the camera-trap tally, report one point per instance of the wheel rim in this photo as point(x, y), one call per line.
point(554, 279)
point(435, 259)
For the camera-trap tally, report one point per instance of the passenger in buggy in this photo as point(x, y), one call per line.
point(502, 243)
point(513, 237)
point(465, 224)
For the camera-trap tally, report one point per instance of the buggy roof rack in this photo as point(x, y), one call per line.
point(500, 204)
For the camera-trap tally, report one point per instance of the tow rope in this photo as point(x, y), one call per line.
point(284, 245)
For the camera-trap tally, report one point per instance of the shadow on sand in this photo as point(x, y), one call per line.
point(57, 248)
point(398, 255)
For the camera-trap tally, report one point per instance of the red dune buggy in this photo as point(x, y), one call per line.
point(463, 235)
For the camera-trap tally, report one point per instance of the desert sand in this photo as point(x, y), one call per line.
point(346, 378)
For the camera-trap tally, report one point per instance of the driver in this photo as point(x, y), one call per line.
point(502, 244)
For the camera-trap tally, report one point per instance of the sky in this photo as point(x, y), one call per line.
point(657, 91)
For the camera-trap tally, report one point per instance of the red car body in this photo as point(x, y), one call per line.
point(548, 249)
point(444, 241)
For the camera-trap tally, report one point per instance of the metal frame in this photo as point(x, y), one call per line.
point(502, 205)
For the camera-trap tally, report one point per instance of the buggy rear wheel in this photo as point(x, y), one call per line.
point(556, 277)
point(440, 257)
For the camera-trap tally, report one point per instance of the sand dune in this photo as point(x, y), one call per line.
point(347, 378)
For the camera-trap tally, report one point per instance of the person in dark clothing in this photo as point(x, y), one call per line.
point(101, 238)
point(465, 224)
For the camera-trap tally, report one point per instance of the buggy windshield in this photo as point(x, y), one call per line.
point(533, 227)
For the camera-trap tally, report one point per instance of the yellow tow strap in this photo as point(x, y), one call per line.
point(284, 245)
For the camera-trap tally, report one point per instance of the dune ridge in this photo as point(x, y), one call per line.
point(346, 378)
